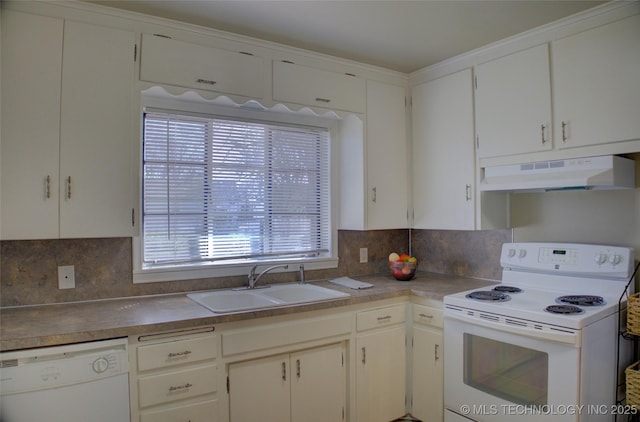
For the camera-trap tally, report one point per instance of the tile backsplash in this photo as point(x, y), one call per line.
point(103, 267)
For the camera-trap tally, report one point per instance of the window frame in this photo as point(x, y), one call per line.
point(249, 112)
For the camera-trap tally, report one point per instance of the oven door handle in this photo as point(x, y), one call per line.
point(545, 332)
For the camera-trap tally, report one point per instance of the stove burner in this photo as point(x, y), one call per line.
point(507, 289)
point(489, 295)
point(581, 300)
point(563, 309)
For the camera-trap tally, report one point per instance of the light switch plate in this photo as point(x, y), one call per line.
point(66, 277)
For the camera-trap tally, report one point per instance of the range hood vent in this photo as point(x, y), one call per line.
point(602, 172)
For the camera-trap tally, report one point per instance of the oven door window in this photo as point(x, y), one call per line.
point(514, 373)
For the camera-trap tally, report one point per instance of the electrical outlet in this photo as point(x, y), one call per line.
point(66, 277)
point(364, 255)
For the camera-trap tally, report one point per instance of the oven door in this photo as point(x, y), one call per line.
point(500, 375)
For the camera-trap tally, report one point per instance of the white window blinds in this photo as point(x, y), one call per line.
point(219, 189)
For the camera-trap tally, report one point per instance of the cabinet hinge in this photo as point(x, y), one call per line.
point(135, 52)
point(342, 412)
point(228, 385)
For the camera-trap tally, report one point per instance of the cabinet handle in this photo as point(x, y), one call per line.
point(564, 132)
point(48, 187)
point(364, 355)
point(179, 354)
point(542, 128)
point(425, 316)
point(467, 192)
point(298, 368)
point(180, 387)
point(323, 100)
point(435, 351)
point(374, 192)
point(284, 371)
point(384, 318)
point(69, 187)
point(206, 81)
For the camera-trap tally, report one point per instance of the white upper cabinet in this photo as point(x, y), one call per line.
point(443, 153)
point(597, 85)
point(96, 131)
point(67, 129)
point(388, 192)
point(168, 61)
point(31, 77)
point(373, 162)
point(320, 88)
point(513, 104)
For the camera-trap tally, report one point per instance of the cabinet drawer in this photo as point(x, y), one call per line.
point(198, 412)
point(427, 316)
point(174, 62)
point(176, 352)
point(382, 317)
point(178, 385)
point(315, 87)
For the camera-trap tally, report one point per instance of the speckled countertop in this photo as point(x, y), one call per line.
point(49, 325)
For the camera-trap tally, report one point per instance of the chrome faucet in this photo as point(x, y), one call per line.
point(301, 281)
point(253, 278)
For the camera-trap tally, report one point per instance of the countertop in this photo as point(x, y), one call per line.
point(50, 325)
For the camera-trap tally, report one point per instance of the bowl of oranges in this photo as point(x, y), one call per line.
point(403, 266)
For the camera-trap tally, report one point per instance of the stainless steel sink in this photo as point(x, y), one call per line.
point(220, 301)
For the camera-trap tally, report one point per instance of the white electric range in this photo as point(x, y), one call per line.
point(542, 344)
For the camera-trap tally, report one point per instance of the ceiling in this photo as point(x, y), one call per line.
point(394, 34)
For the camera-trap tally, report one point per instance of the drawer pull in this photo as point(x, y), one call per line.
point(384, 318)
point(364, 355)
point(323, 100)
point(48, 187)
point(426, 316)
point(298, 368)
point(180, 387)
point(206, 81)
point(435, 352)
point(284, 371)
point(69, 187)
point(179, 354)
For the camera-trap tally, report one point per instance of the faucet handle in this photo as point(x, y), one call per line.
point(301, 274)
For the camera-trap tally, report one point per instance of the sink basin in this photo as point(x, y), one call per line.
point(275, 295)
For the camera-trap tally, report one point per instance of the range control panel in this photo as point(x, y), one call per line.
point(569, 258)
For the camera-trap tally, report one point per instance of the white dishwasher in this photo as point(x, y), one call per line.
point(87, 382)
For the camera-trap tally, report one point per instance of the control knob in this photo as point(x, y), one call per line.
point(100, 365)
point(600, 258)
point(615, 259)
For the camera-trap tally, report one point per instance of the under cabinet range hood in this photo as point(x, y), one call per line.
point(602, 172)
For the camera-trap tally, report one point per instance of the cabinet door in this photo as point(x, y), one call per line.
point(179, 63)
point(31, 74)
point(259, 390)
point(380, 375)
point(387, 158)
point(443, 153)
point(513, 103)
point(318, 384)
point(597, 85)
point(96, 135)
point(428, 374)
point(315, 87)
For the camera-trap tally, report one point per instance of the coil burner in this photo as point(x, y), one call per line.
point(563, 309)
point(581, 300)
point(507, 289)
point(489, 295)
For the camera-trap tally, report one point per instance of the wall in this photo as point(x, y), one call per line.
point(103, 267)
point(606, 217)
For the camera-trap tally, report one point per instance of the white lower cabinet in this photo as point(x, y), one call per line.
point(381, 364)
point(303, 386)
point(174, 377)
point(427, 375)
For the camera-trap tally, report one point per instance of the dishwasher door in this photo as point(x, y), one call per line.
point(84, 382)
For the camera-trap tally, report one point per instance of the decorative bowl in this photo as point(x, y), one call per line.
point(403, 271)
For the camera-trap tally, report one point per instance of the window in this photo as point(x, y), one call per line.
point(218, 190)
